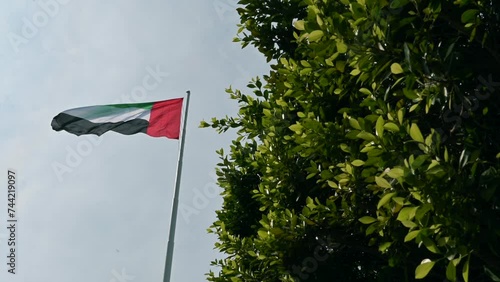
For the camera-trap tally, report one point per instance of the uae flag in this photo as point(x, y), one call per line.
point(157, 119)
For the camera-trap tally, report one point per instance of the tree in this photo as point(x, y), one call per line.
point(269, 25)
point(369, 152)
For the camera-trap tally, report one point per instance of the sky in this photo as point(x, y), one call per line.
point(98, 209)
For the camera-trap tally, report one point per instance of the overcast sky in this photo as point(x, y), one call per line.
point(98, 209)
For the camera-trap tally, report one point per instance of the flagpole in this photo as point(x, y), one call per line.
point(175, 204)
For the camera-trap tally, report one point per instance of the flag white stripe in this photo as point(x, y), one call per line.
point(102, 114)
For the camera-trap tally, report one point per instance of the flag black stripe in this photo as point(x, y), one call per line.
point(79, 126)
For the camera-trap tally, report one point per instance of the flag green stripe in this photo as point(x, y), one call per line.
point(146, 106)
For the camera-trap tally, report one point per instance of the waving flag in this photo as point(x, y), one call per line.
point(157, 119)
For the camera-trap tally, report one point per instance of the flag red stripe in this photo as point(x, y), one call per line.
point(165, 119)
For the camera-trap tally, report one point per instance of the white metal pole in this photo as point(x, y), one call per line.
point(175, 204)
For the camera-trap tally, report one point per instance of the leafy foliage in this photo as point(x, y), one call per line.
point(370, 153)
point(267, 25)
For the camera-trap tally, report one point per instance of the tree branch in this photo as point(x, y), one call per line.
point(458, 27)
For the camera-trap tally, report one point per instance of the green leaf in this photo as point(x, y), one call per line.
point(407, 213)
point(366, 136)
point(299, 25)
point(419, 161)
point(305, 63)
point(400, 116)
point(451, 272)
point(267, 112)
point(384, 246)
point(433, 163)
point(430, 245)
point(379, 127)
point(491, 275)
point(332, 184)
point(305, 71)
point(340, 65)
point(382, 182)
point(309, 201)
point(417, 196)
point(357, 11)
point(449, 51)
point(367, 220)
point(345, 148)
point(315, 35)
point(296, 127)
point(396, 68)
point(311, 175)
point(354, 124)
point(319, 20)
point(411, 235)
point(262, 234)
point(423, 269)
point(358, 163)
point(365, 91)
point(355, 72)
point(204, 124)
point(414, 107)
point(465, 270)
point(386, 198)
point(409, 224)
point(416, 134)
point(399, 200)
point(391, 126)
point(372, 228)
point(407, 55)
point(341, 47)
point(410, 94)
point(281, 103)
point(469, 15)
point(422, 211)
point(396, 172)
